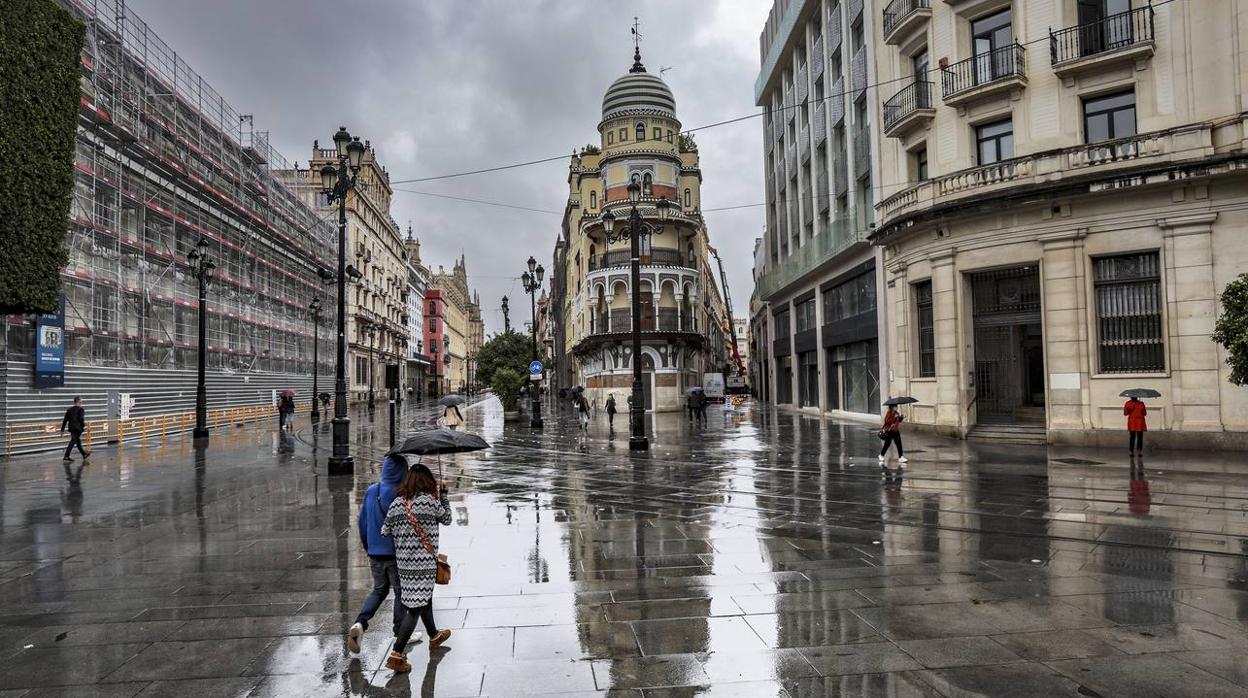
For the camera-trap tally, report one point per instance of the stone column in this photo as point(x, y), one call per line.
point(949, 381)
point(897, 294)
point(1065, 304)
point(1191, 310)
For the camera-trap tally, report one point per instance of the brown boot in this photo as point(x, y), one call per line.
point(437, 640)
point(398, 663)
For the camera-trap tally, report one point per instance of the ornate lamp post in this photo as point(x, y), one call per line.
point(314, 310)
point(506, 316)
point(635, 229)
point(336, 182)
point(201, 267)
point(532, 280)
point(371, 333)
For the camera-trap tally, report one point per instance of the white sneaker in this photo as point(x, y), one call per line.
point(903, 459)
point(353, 638)
point(881, 459)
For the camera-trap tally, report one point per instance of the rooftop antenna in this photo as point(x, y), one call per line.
point(665, 68)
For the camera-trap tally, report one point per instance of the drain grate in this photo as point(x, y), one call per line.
point(1078, 461)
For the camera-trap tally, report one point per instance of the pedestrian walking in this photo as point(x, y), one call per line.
point(582, 408)
point(611, 411)
point(75, 420)
point(285, 411)
point(451, 417)
point(324, 401)
point(380, 549)
point(702, 402)
point(1135, 412)
point(891, 433)
point(412, 521)
point(691, 405)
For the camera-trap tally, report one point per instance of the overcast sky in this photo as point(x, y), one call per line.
point(444, 87)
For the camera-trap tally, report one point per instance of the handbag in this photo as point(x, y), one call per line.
point(883, 434)
point(443, 574)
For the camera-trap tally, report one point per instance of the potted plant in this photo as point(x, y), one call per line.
point(506, 383)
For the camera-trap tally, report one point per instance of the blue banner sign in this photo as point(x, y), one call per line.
point(50, 348)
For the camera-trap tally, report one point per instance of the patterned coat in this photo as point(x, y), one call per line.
point(417, 568)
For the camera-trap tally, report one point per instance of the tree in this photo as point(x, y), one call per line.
point(506, 350)
point(40, 43)
point(1231, 330)
point(506, 385)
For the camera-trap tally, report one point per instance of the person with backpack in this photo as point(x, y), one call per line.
point(380, 549)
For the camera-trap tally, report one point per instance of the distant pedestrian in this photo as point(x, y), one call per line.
point(892, 433)
point(324, 396)
point(691, 405)
point(611, 411)
point(380, 549)
point(451, 417)
point(413, 520)
point(702, 402)
point(75, 420)
point(1135, 412)
point(285, 411)
point(582, 409)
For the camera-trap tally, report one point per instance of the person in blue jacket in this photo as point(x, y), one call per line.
point(380, 548)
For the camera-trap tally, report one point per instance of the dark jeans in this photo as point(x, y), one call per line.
point(1136, 442)
point(385, 578)
point(610, 420)
point(894, 437)
point(75, 439)
point(408, 625)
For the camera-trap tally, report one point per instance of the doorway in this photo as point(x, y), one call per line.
point(647, 382)
point(1009, 346)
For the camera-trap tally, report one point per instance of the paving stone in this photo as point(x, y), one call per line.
point(1153, 675)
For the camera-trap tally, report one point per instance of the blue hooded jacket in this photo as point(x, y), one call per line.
point(376, 503)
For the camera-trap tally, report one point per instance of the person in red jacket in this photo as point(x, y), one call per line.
point(1135, 411)
point(892, 433)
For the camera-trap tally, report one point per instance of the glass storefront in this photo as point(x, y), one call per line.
point(808, 378)
point(857, 367)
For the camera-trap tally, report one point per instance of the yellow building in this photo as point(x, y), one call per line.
point(681, 310)
point(377, 328)
point(463, 329)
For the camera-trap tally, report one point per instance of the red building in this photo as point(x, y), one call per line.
point(435, 329)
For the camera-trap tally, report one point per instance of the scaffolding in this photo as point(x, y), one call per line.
point(161, 162)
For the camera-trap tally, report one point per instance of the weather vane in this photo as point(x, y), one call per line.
point(636, 35)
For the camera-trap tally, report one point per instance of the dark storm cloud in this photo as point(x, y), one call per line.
point(444, 87)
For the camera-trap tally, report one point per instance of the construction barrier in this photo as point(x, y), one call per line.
point(29, 437)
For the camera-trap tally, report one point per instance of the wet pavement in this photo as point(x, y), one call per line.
point(763, 555)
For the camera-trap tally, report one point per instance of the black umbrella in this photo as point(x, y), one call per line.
point(437, 442)
point(447, 400)
point(903, 400)
point(1140, 392)
point(578, 389)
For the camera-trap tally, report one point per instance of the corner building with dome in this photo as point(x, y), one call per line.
point(683, 319)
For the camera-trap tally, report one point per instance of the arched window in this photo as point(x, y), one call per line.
point(593, 199)
point(688, 198)
point(623, 135)
point(646, 183)
point(610, 137)
point(641, 131)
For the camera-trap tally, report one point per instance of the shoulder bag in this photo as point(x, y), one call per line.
point(443, 575)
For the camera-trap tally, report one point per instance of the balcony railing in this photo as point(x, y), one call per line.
point(984, 69)
point(620, 321)
point(619, 258)
point(1111, 33)
point(898, 11)
point(911, 98)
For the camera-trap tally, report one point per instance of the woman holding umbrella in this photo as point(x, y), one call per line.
point(890, 433)
point(1135, 412)
point(451, 417)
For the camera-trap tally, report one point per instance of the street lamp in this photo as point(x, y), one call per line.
point(336, 182)
point(201, 267)
point(506, 316)
point(634, 230)
point(532, 280)
point(314, 310)
point(370, 332)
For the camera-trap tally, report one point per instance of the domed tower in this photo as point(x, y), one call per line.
point(640, 142)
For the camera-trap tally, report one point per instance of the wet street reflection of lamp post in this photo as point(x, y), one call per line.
point(532, 280)
point(314, 311)
point(634, 230)
point(201, 267)
point(336, 182)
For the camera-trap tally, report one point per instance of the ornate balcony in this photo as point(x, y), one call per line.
point(616, 326)
point(910, 108)
point(622, 258)
point(903, 17)
point(1127, 36)
point(984, 75)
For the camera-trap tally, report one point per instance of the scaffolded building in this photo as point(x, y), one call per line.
point(162, 161)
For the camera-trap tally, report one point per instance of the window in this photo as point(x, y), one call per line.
point(995, 141)
point(782, 324)
point(1108, 117)
point(688, 198)
point(623, 135)
point(647, 184)
point(610, 137)
point(805, 311)
point(658, 135)
point(433, 308)
point(927, 329)
point(920, 164)
point(989, 35)
point(641, 132)
point(669, 135)
point(849, 298)
point(1128, 312)
point(433, 325)
point(593, 199)
point(919, 64)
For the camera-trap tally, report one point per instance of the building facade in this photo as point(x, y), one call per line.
point(640, 142)
point(815, 319)
point(435, 343)
point(463, 331)
point(418, 363)
point(1066, 196)
point(161, 162)
point(376, 330)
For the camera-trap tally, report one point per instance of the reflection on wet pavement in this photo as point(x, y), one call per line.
point(765, 555)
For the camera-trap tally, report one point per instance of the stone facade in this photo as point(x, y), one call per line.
point(462, 329)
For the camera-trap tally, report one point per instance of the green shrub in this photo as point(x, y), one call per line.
point(507, 350)
point(506, 385)
point(40, 43)
point(1231, 330)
